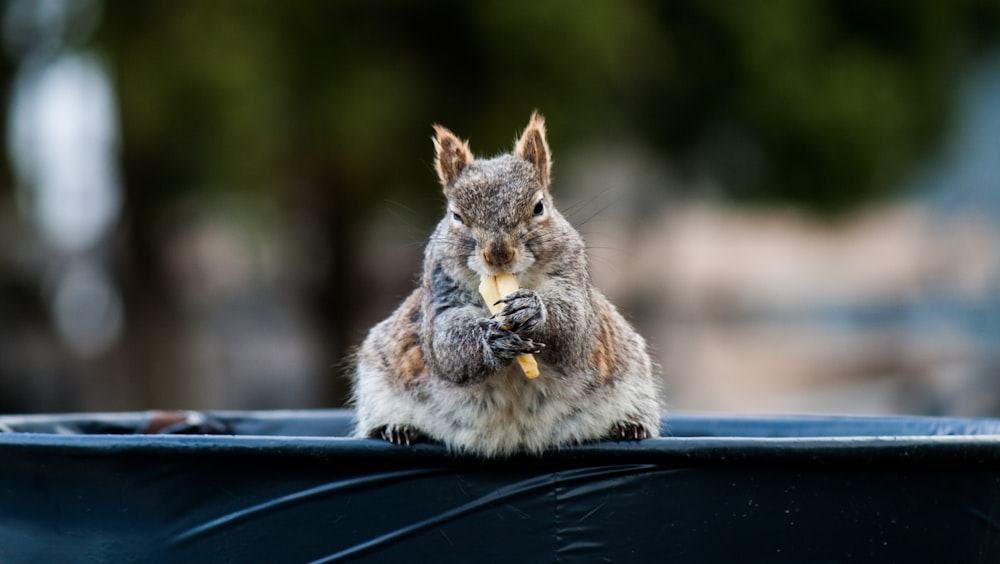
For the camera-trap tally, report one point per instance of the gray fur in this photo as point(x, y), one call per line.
point(441, 368)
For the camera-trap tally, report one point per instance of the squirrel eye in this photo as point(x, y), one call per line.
point(539, 208)
point(458, 218)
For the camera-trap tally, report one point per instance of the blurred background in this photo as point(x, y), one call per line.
point(206, 204)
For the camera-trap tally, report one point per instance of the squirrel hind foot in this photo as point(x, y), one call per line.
point(628, 431)
point(398, 434)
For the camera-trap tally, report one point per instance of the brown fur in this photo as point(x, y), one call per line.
point(604, 355)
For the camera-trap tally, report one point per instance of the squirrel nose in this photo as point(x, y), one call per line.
point(498, 253)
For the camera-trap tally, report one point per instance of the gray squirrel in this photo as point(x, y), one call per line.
point(441, 368)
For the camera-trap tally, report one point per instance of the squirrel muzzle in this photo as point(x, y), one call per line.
point(498, 254)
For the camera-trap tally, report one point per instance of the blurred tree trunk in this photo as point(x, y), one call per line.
point(152, 339)
point(332, 302)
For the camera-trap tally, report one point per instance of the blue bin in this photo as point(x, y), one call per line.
point(290, 486)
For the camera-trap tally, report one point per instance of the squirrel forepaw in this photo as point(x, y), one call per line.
point(523, 311)
point(505, 344)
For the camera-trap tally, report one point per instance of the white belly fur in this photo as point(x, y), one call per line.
point(506, 413)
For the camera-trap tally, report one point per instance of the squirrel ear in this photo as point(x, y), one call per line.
point(453, 155)
point(533, 147)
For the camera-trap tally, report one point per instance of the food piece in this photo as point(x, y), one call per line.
point(506, 284)
point(495, 288)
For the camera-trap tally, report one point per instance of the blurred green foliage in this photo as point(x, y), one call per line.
point(823, 104)
point(317, 113)
point(321, 111)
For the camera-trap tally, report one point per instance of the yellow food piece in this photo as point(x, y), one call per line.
point(495, 288)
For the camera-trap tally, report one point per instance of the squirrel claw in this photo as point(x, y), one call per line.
point(627, 431)
point(398, 434)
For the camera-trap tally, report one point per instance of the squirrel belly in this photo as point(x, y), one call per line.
point(443, 367)
point(503, 413)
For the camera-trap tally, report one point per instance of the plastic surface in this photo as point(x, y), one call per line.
point(288, 487)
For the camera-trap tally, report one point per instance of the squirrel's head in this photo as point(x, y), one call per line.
point(498, 209)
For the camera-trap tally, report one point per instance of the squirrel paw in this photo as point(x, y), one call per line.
point(523, 311)
point(626, 431)
point(398, 434)
point(506, 344)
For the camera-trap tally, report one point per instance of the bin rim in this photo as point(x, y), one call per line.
point(689, 439)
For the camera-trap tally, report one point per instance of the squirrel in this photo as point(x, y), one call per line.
point(440, 368)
